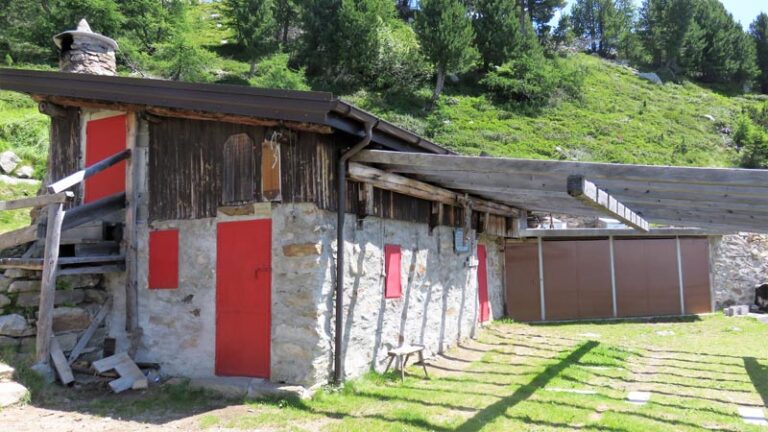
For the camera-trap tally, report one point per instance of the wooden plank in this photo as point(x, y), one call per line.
point(86, 337)
point(130, 374)
point(110, 362)
point(17, 237)
point(37, 201)
point(588, 193)
point(419, 189)
point(270, 170)
point(78, 177)
point(617, 232)
point(48, 286)
point(60, 363)
point(37, 263)
point(237, 160)
point(22, 263)
point(130, 232)
point(102, 269)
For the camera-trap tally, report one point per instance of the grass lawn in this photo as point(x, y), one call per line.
point(515, 377)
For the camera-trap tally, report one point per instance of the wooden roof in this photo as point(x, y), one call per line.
point(715, 199)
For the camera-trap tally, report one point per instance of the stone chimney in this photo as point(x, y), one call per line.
point(83, 51)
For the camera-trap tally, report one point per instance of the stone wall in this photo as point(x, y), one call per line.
point(88, 56)
point(438, 306)
point(78, 299)
point(739, 263)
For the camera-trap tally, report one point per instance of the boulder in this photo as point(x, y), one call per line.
point(650, 76)
point(22, 286)
point(78, 281)
point(25, 172)
point(13, 325)
point(4, 301)
point(70, 319)
point(12, 393)
point(20, 274)
point(67, 341)
point(5, 283)
point(96, 296)
point(8, 342)
point(709, 117)
point(9, 161)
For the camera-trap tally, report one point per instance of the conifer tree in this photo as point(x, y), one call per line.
point(759, 32)
point(254, 26)
point(497, 31)
point(445, 33)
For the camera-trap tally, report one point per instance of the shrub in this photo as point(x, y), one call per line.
point(274, 72)
point(752, 139)
point(399, 66)
point(534, 79)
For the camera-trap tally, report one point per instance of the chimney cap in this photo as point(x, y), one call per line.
point(84, 30)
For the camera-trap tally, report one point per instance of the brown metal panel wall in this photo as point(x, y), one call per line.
point(561, 287)
point(594, 262)
point(695, 260)
point(577, 279)
point(647, 281)
point(523, 294)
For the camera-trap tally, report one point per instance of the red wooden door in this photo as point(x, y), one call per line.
point(482, 285)
point(104, 137)
point(243, 298)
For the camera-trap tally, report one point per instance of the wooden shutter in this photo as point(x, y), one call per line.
point(270, 170)
point(393, 288)
point(164, 259)
point(237, 185)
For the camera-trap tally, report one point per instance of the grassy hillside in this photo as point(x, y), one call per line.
point(619, 118)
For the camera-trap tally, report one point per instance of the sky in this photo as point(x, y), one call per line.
point(745, 11)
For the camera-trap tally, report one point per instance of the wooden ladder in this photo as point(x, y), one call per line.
point(58, 220)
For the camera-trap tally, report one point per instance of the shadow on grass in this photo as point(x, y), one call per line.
point(758, 373)
point(639, 320)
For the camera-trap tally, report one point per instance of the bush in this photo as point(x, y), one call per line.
point(399, 66)
point(534, 79)
point(274, 72)
point(752, 140)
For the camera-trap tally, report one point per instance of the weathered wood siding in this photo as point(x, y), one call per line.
point(195, 167)
point(64, 153)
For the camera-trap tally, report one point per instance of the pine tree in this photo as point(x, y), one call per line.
point(253, 24)
point(152, 22)
point(564, 33)
point(286, 14)
point(497, 31)
point(759, 32)
point(539, 13)
point(445, 32)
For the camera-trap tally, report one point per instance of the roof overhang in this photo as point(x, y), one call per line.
point(715, 199)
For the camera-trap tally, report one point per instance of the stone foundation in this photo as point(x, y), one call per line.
point(438, 306)
point(739, 263)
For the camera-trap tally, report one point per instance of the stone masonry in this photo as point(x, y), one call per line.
point(438, 307)
point(739, 263)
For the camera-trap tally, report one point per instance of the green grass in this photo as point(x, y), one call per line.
point(620, 118)
point(24, 130)
point(526, 379)
point(13, 219)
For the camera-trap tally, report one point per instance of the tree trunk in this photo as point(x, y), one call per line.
point(252, 71)
point(285, 33)
point(439, 84)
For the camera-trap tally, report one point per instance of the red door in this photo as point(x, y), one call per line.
point(104, 137)
point(482, 285)
point(243, 298)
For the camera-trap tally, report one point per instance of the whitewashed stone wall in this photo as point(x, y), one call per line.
point(739, 263)
point(438, 308)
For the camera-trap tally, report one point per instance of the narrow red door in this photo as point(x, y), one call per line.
point(243, 298)
point(482, 285)
point(104, 137)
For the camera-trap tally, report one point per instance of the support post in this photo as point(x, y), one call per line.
point(680, 275)
point(542, 298)
point(48, 287)
point(613, 278)
point(130, 231)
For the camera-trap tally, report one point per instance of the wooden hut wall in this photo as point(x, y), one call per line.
point(191, 160)
point(64, 153)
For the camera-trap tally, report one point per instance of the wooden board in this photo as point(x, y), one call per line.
point(271, 189)
point(695, 260)
point(522, 282)
point(237, 184)
point(60, 363)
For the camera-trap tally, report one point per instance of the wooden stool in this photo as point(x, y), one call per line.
point(402, 354)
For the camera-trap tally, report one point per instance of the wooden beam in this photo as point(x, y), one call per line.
point(407, 186)
point(37, 201)
point(48, 286)
point(586, 192)
point(76, 178)
point(83, 341)
point(17, 237)
point(616, 232)
point(460, 165)
point(51, 109)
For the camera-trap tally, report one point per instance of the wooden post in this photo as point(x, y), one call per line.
point(130, 232)
point(48, 288)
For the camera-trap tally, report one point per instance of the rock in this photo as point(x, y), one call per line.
point(15, 181)
point(6, 372)
point(13, 325)
point(45, 371)
point(12, 393)
point(20, 274)
point(9, 161)
point(95, 296)
point(78, 281)
point(70, 318)
point(650, 76)
point(22, 286)
point(709, 117)
point(4, 301)
point(67, 341)
point(27, 345)
point(32, 299)
point(25, 172)
point(8, 342)
point(5, 283)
